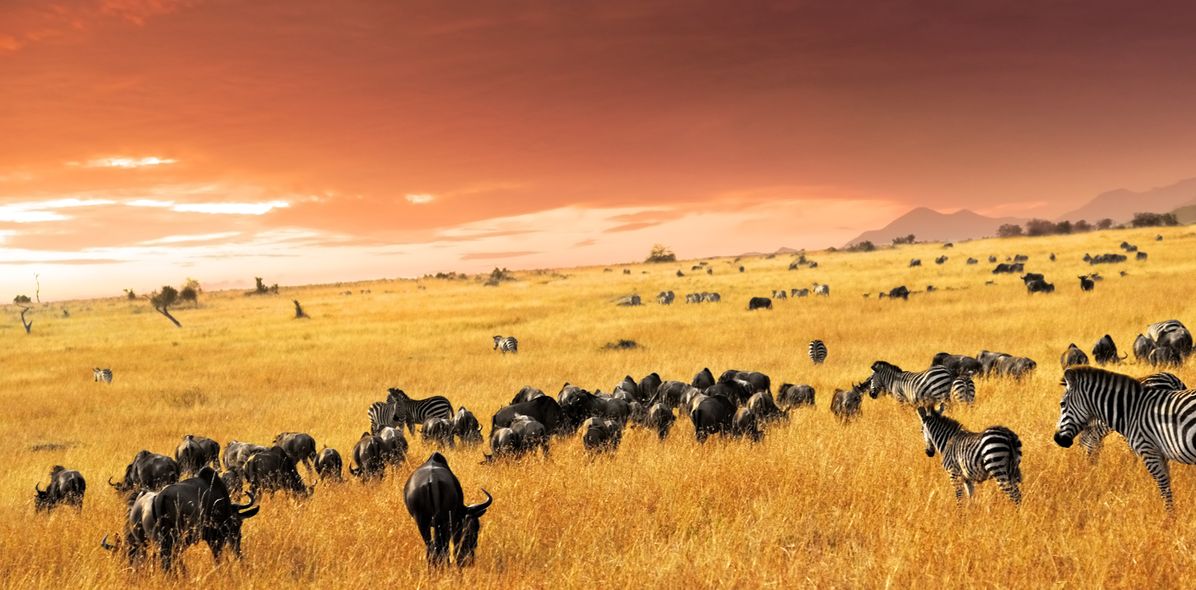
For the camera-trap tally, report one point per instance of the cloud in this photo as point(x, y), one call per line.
point(192, 238)
point(419, 198)
point(259, 208)
point(124, 162)
point(496, 255)
point(45, 211)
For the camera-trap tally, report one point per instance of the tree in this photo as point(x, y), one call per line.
point(27, 324)
point(21, 299)
point(864, 246)
point(1081, 226)
point(1063, 227)
point(1153, 219)
point(1105, 223)
point(190, 295)
point(130, 294)
point(162, 300)
point(661, 253)
point(909, 239)
point(1039, 227)
point(1009, 230)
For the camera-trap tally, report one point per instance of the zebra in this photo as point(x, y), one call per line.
point(399, 410)
point(820, 289)
point(101, 375)
point(973, 457)
point(1157, 424)
point(1093, 435)
point(963, 389)
point(506, 344)
point(928, 387)
point(817, 352)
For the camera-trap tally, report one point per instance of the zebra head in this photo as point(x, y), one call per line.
point(881, 379)
point(936, 428)
point(497, 340)
point(1073, 413)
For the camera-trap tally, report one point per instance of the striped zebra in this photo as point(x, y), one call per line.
point(817, 351)
point(101, 375)
point(929, 387)
point(1093, 434)
point(399, 410)
point(973, 457)
point(506, 344)
point(963, 389)
point(1159, 425)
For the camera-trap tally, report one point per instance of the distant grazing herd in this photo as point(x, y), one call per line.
point(174, 502)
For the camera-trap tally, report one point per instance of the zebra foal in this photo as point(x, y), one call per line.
point(506, 344)
point(973, 457)
point(920, 389)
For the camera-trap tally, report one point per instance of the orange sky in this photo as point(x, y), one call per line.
point(143, 141)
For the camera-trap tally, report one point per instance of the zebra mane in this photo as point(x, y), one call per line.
point(879, 365)
point(1085, 372)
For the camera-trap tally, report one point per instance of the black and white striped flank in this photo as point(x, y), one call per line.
point(506, 344)
point(101, 375)
point(817, 351)
point(973, 457)
point(926, 388)
point(399, 410)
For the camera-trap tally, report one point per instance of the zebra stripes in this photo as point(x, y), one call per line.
point(817, 352)
point(1093, 434)
point(929, 387)
point(101, 375)
point(973, 457)
point(963, 389)
point(506, 344)
point(1159, 425)
point(399, 409)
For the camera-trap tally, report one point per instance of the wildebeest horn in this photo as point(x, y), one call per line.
point(105, 545)
point(38, 489)
point(240, 507)
point(477, 510)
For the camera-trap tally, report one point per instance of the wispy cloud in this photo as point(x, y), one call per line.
point(259, 208)
point(123, 162)
point(192, 238)
point(420, 198)
point(45, 211)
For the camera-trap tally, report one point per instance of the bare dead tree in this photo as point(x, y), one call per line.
point(162, 300)
point(37, 279)
point(299, 313)
point(28, 324)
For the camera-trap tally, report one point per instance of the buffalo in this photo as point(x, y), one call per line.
point(711, 414)
point(67, 486)
point(759, 303)
point(148, 471)
point(435, 500)
point(196, 451)
point(1073, 356)
point(601, 435)
point(329, 464)
point(466, 427)
point(791, 396)
point(274, 470)
point(543, 409)
point(370, 455)
point(1105, 351)
point(300, 447)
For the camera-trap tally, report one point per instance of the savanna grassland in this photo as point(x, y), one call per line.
point(816, 504)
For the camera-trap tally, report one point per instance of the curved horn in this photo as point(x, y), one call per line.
point(240, 507)
point(477, 510)
point(38, 489)
point(104, 544)
point(117, 486)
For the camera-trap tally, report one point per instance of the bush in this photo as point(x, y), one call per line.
point(903, 240)
point(864, 246)
point(22, 299)
point(661, 253)
point(1009, 230)
point(1154, 219)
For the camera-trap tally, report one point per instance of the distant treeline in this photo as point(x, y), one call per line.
point(1042, 227)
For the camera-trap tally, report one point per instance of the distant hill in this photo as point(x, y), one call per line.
point(1121, 204)
point(931, 226)
point(1186, 215)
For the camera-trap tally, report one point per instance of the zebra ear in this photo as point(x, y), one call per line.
point(942, 408)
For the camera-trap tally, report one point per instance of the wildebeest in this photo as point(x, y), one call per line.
point(234, 482)
point(438, 431)
point(526, 393)
point(1009, 268)
point(578, 404)
point(792, 396)
point(394, 445)
point(745, 424)
point(845, 404)
point(669, 393)
point(147, 471)
point(799, 292)
point(532, 434)
point(369, 455)
point(504, 443)
point(195, 452)
point(1006, 365)
point(660, 419)
point(940, 260)
point(185, 513)
point(1165, 356)
point(1142, 347)
point(898, 293)
point(958, 364)
point(764, 408)
point(915, 262)
point(821, 289)
point(759, 303)
point(236, 453)
point(1105, 351)
point(1140, 256)
point(711, 414)
point(466, 427)
point(434, 499)
point(1073, 356)
point(544, 410)
point(599, 434)
point(703, 379)
point(1104, 258)
point(971, 260)
point(329, 464)
point(67, 486)
point(758, 381)
point(992, 258)
point(299, 446)
point(1039, 286)
point(1128, 247)
point(274, 470)
point(1086, 283)
point(1171, 334)
point(647, 387)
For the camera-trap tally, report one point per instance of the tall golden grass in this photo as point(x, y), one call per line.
point(816, 504)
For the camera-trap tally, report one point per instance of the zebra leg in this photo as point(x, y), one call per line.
point(1156, 464)
point(1011, 489)
point(957, 481)
point(971, 487)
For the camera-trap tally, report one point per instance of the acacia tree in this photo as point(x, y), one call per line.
point(162, 300)
point(661, 253)
point(28, 324)
point(190, 292)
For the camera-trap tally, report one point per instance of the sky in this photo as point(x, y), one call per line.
point(146, 141)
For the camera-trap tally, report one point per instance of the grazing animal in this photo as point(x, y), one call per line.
point(781, 294)
point(1142, 348)
point(1155, 423)
point(101, 375)
point(1004, 365)
point(820, 289)
point(1039, 286)
point(971, 260)
point(399, 410)
point(817, 351)
point(300, 447)
point(438, 431)
point(666, 297)
point(185, 513)
point(329, 464)
point(940, 260)
point(901, 292)
point(1086, 283)
point(845, 403)
point(764, 408)
point(504, 443)
point(958, 364)
point(660, 419)
point(526, 393)
point(1105, 351)
point(791, 396)
point(915, 262)
point(756, 381)
point(578, 404)
point(963, 389)
point(369, 455)
point(647, 388)
point(1165, 356)
point(973, 457)
point(1009, 268)
point(759, 303)
point(466, 427)
point(532, 434)
point(544, 409)
point(744, 424)
point(1093, 434)
point(394, 445)
point(711, 414)
point(67, 486)
point(196, 451)
point(506, 344)
point(274, 470)
point(436, 502)
point(1073, 356)
point(703, 379)
point(148, 471)
point(925, 388)
point(629, 300)
point(601, 435)
point(1104, 258)
point(1171, 334)
point(236, 453)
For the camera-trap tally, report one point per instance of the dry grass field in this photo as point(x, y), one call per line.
point(816, 504)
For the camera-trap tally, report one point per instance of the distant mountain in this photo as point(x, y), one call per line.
point(1121, 205)
point(929, 225)
point(1186, 215)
